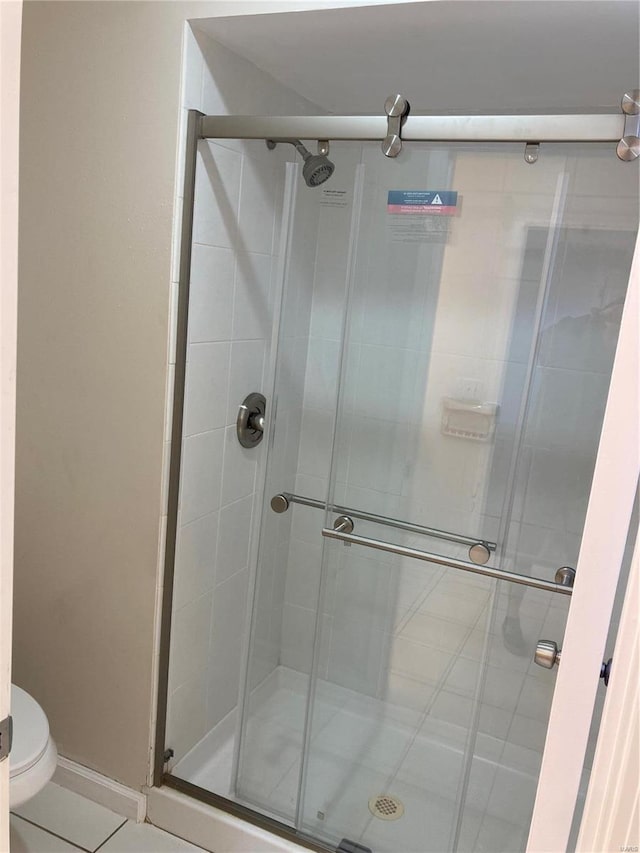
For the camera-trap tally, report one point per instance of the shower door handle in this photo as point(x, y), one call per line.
point(547, 654)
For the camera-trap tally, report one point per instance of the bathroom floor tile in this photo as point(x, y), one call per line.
point(70, 816)
point(27, 838)
point(144, 838)
point(378, 743)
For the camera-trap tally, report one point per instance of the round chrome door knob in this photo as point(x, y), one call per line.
point(547, 654)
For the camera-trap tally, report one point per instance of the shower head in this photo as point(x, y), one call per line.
point(317, 168)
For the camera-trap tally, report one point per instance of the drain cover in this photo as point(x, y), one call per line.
point(386, 807)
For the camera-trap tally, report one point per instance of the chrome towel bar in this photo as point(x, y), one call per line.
point(280, 503)
point(449, 562)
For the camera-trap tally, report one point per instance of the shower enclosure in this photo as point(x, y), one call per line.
point(438, 332)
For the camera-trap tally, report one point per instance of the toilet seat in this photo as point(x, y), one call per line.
point(33, 756)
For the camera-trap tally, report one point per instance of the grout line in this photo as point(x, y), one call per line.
point(109, 837)
point(55, 834)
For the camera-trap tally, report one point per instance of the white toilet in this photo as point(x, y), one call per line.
point(33, 756)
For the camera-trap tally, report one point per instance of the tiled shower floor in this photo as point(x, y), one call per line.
point(412, 743)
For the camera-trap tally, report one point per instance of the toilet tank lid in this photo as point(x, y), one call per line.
point(30, 731)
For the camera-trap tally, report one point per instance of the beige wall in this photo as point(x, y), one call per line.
point(100, 90)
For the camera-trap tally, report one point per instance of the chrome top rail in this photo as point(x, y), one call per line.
point(280, 503)
point(416, 128)
point(449, 562)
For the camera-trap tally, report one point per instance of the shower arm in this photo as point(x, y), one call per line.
point(323, 146)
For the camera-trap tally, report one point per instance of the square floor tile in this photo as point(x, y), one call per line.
point(70, 816)
point(499, 836)
point(441, 633)
point(27, 838)
point(376, 742)
point(433, 766)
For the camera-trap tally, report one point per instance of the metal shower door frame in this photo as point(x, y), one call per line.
point(452, 128)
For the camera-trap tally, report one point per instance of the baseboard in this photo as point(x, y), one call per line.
point(100, 789)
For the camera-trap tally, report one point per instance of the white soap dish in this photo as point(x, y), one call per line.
point(470, 419)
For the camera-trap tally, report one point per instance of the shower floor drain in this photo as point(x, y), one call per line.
point(386, 807)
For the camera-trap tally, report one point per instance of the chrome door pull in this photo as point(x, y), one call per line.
point(547, 654)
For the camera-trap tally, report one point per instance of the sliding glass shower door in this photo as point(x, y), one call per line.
point(446, 337)
point(484, 303)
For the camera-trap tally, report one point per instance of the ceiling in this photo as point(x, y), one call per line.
point(448, 55)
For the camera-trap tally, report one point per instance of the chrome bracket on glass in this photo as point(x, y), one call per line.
point(343, 524)
point(565, 576)
point(531, 152)
point(629, 146)
point(250, 422)
point(480, 553)
point(397, 109)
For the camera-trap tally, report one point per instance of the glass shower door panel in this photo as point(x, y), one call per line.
point(389, 737)
point(301, 411)
point(428, 716)
point(442, 329)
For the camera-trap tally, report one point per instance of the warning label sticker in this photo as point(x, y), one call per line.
point(420, 216)
point(334, 198)
point(422, 202)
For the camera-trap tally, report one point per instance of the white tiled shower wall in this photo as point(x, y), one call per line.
point(239, 191)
